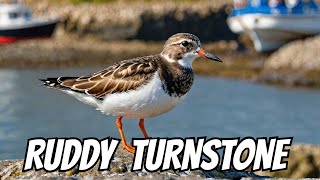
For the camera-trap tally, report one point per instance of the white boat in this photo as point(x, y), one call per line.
point(269, 31)
point(16, 22)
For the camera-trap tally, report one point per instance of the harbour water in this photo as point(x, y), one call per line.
point(213, 108)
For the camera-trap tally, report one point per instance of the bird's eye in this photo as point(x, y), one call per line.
point(185, 43)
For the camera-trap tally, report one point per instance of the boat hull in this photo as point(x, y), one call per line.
point(36, 30)
point(269, 32)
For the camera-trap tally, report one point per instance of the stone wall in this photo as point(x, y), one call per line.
point(156, 20)
point(303, 162)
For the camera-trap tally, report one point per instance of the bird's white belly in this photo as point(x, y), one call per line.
point(147, 101)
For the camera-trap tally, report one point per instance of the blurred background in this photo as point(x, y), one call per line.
point(268, 84)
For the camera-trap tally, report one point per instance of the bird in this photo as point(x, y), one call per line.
point(141, 87)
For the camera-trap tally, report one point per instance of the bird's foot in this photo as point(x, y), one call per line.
point(128, 148)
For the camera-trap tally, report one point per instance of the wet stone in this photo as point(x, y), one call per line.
point(120, 168)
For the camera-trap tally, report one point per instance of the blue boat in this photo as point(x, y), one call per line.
point(272, 23)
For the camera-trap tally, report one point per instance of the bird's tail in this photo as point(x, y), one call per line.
point(56, 82)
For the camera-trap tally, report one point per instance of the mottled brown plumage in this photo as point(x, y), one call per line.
point(130, 75)
point(175, 39)
point(123, 76)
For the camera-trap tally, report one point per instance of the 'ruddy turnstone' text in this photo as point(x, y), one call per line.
point(154, 154)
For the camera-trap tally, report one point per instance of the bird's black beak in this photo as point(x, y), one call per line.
point(203, 53)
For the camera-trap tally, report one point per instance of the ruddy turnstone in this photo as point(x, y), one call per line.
point(142, 87)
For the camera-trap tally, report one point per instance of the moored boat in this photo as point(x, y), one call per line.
point(16, 23)
point(270, 24)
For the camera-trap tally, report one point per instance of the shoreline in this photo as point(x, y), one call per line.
point(64, 52)
point(68, 52)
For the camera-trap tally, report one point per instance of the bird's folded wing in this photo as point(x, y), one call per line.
point(120, 77)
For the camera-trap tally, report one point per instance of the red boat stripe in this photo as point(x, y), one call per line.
point(9, 39)
point(6, 40)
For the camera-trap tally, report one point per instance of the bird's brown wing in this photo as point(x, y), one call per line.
point(123, 76)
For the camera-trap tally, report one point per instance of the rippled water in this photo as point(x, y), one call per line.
point(214, 108)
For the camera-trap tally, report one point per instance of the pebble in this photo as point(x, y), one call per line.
point(142, 174)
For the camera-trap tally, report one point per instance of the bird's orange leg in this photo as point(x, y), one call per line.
point(124, 142)
point(141, 125)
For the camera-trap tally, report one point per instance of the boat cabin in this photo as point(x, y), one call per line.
point(14, 14)
point(276, 7)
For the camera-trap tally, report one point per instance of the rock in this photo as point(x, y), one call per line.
point(120, 167)
point(303, 162)
point(302, 55)
point(297, 63)
point(7, 168)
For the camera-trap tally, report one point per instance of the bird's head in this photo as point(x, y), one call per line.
point(184, 48)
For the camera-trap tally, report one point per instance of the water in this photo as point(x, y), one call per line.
point(213, 108)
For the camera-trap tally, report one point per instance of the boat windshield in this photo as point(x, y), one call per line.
point(13, 15)
point(276, 6)
point(14, 12)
